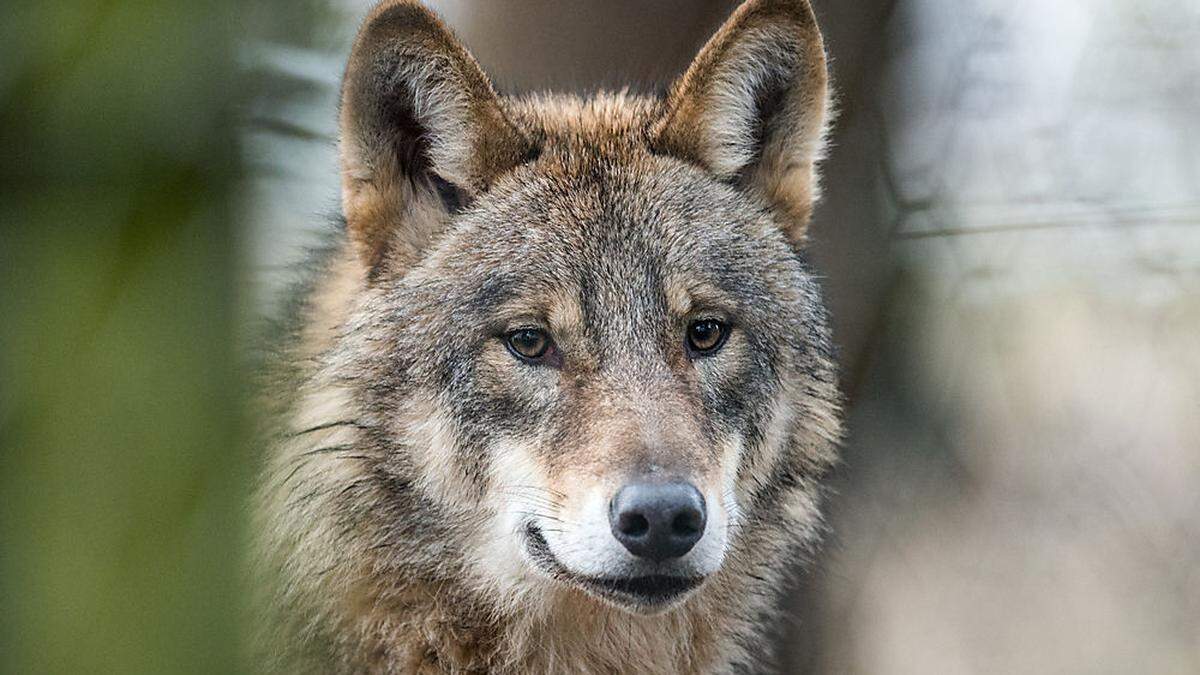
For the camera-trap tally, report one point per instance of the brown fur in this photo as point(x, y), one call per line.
point(381, 519)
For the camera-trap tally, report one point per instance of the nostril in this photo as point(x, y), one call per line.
point(687, 523)
point(633, 524)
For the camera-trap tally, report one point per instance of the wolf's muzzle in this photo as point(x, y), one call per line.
point(658, 521)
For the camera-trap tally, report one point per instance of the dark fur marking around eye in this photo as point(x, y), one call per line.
point(492, 292)
point(453, 199)
point(532, 153)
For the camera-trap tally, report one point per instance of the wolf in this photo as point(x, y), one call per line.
point(561, 394)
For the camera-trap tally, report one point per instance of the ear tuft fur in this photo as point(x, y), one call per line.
point(422, 133)
point(753, 106)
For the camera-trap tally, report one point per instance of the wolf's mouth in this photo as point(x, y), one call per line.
point(648, 592)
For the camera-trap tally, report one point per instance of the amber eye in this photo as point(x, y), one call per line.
point(706, 337)
point(528, 343)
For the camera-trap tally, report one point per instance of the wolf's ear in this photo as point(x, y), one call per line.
point(422, 133)
point(752, 107)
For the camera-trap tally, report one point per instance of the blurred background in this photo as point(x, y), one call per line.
point(1010, 240)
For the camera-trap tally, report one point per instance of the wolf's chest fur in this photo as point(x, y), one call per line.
point(561, 396)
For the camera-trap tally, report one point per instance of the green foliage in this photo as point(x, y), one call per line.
point(123, 466)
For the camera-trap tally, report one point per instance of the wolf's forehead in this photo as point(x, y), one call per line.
point(608, 227)
point(564, 116)
point(607, 259)
point(620, 228)
point(593, 280)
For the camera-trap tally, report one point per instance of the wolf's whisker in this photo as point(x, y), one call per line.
point(326, 425)
point(332, 449)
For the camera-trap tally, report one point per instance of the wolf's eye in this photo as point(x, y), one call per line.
point(529, 344)
point(705, 337)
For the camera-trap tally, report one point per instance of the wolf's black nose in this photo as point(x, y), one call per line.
point(658, 521)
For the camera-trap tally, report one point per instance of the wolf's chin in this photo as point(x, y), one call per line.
point(647, 594)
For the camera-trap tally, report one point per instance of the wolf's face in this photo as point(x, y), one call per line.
point(588, 339)
point(598, 357)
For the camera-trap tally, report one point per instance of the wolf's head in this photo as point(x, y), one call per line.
point(586, 343)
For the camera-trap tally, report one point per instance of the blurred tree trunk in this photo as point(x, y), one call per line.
point(121, 469)
point(584, 45)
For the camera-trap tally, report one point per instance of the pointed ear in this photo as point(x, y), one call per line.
point(422, 134)
point(752, 107)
